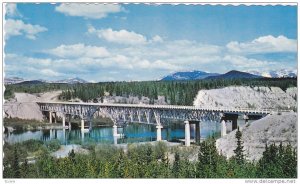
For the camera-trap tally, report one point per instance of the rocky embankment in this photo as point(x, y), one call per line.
point(23, 105)
point(273, 128)
point(248, 97)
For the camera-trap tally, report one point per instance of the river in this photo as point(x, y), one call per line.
point(132, 133)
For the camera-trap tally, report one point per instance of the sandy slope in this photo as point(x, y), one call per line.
point(247, 97)
point(270, 129)
point(23, 105)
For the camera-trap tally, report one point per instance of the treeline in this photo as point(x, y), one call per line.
point(148, 161)
point(175, 92)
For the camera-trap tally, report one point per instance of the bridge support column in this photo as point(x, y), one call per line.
point(50, 117)
point(55, 118)
point(197, 133)
point(70, 126)
point(246, 118)
point(64, 120)
point(158, 132)
point(90, 125)
point(187, 133)
point(234, 124)
point(64, 136)
point(82, 125)
point(82, 135)
point(115, 131)
point(115, 140)
point(223, 128)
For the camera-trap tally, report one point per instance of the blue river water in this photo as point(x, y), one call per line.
point(132, 133)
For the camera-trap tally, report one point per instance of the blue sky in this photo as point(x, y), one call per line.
point(143, 42)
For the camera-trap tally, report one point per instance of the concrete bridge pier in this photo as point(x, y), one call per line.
point(234, 124)
point(115, 131)
point(51, 134)
point(187, 134)
point(233, 118)
point(82, 135)
point(82, 125)
point(64, 120)
point(197, 132)
point(115, 140)
point(64, 136)
point(50, 117)
point(223, 128)
point(90, 125)
point(70, 126)
point(158, 132)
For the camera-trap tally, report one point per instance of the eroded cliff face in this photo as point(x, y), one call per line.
point(24, 105)
point(273, 128)
point(247, 97)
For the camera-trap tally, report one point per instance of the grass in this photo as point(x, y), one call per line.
point(21, 124)
point(31, 124)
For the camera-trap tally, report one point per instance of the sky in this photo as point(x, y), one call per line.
point(128, 42)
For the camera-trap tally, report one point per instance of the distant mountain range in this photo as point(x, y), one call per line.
point(13, 80)
point(18, 80)
point(189, 75)
point(71, 81)
point(276, 74)
point(234, 74)
point(183, 75)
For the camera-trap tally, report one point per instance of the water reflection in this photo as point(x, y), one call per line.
point(132, 133)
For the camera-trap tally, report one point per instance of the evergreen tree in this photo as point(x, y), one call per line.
point(207, 159)
point(72, 155)
point(25, 169)
point(239, 152)
point(176, 165)
point(16, 166)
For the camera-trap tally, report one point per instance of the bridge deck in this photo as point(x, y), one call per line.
point(169, 107)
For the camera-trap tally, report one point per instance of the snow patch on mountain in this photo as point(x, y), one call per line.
point(275, 73)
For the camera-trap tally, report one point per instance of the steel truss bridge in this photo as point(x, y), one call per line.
point(150, 114)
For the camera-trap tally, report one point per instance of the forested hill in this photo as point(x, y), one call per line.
point(176, 92)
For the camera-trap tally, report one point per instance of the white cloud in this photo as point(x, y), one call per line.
point(18, 27)
point(264, 44)
point(50, 73)
point(144, 62)
point(79, 50)
point(120, 37)
point(247, 63)
point(158, 64)
point(92, 11)
point(157, 38)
